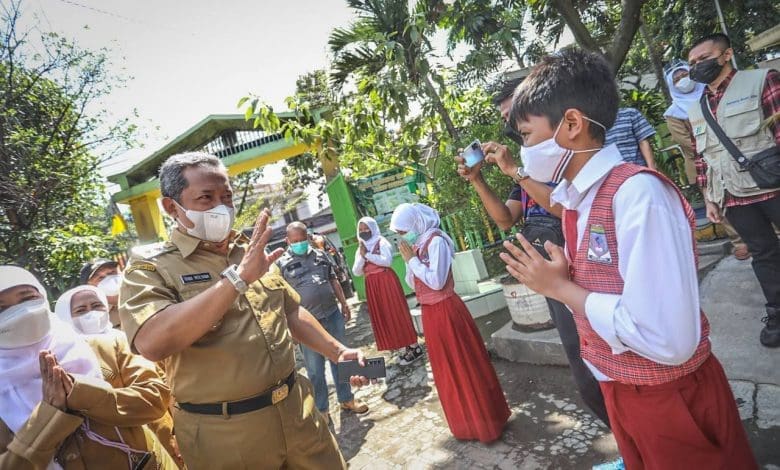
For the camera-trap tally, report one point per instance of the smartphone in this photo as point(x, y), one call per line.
point(374, 369)
point(473, 153)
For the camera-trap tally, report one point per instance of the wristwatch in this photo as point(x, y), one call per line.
point(231, 274)
point(521, 175)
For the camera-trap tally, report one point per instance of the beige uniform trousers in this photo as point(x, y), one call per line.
point(291, 434)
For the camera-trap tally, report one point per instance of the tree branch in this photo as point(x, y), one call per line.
point(630, 19)
point(572, 19)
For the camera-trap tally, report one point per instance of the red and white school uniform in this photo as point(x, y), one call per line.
point(469, 391)
point(387, 307)
point(630, 240)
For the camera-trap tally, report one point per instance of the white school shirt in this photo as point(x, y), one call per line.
point(440, 260)
point(383, 258)
point(657, 315)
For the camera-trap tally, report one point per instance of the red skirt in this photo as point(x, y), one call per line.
point(388, 311)
point(472, 399)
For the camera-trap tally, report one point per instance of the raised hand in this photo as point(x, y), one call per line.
point(529, 267)
point(501, 156)
point(53, 389)
point(468, 174)
point(407, 252)
point(256, 261)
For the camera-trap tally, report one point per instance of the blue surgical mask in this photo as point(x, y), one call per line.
point(411, 237)
point(300, 248)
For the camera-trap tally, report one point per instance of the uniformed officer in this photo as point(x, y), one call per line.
point(311, 273)
point(204, 303)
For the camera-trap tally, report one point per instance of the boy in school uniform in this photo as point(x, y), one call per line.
point(627, 229)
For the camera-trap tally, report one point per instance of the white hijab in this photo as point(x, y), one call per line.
point(20, 374)
point(376, 235)
point(420, 219)
point(63, 310)
point(681, 102)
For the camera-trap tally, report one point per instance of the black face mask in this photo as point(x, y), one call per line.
point(365, 236)
point(515, 136)
point(705, 71)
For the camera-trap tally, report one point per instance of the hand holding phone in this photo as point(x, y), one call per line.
point(374, 369)
point(473, 153)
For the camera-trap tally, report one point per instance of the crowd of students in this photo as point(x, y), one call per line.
point(77, 393)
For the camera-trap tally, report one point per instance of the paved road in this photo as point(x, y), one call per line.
point(549, 429)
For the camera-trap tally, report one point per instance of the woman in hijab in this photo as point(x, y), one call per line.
point(56, 411)
point(387, 307)
point(87, 309)
point(685, 92)
point(472, 399)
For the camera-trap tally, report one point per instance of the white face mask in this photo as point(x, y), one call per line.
point(685, 85)
point(92, 323)
point(546, 161)
point(24, 324)
point(110, 285)
point(212, 225)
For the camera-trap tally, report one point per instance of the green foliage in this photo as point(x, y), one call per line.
point(52, 215)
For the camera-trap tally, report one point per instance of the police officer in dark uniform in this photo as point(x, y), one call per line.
point(311, 273)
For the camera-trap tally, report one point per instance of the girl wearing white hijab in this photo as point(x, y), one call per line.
point(87, 308)
point(387, 307)
point(56, 411)
point(685, 93)
point(472, 399)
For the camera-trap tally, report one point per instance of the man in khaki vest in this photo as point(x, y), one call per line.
point(744, 104)
point(204, 303)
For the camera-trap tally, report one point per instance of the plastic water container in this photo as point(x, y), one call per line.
point(528, 309)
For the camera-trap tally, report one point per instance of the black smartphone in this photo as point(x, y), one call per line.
point(374, 369)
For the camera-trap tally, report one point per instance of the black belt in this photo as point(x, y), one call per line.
point(271, 397)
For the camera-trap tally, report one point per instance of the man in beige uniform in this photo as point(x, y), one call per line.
point(204, 303)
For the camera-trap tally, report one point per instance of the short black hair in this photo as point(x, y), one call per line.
point(719, 39)
point(507, 90)
point(570, 78)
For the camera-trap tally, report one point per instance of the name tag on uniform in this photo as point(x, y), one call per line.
point(699, 129)
point(199, 277)
point(598, 250)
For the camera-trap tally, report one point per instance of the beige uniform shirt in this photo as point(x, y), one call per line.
point(249, 351)
point(134, 396)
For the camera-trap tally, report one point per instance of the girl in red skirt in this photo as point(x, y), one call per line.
point(472, 399)
point(387, 307)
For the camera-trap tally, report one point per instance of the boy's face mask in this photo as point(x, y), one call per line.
point(546, 161)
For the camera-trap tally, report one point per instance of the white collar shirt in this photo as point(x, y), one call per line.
point(657, 314)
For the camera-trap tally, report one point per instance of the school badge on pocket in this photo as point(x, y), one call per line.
point(598, 250)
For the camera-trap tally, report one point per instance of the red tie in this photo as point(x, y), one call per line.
point(570, 232)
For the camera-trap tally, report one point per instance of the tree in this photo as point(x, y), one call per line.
point(607, 26)
point(52, 215)
point(389, 40)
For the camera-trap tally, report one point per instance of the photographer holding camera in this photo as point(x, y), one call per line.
point(530, 200)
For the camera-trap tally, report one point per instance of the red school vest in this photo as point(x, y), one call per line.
point(426, 295)
point(371, 268)
point(627, 367)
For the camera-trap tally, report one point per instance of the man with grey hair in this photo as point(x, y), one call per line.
point(204, 304)
point(312, 274)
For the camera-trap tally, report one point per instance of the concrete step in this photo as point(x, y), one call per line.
point(721, 246)
point(479, 305)
point(540, 347)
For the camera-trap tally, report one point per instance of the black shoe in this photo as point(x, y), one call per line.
point(770, 335)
